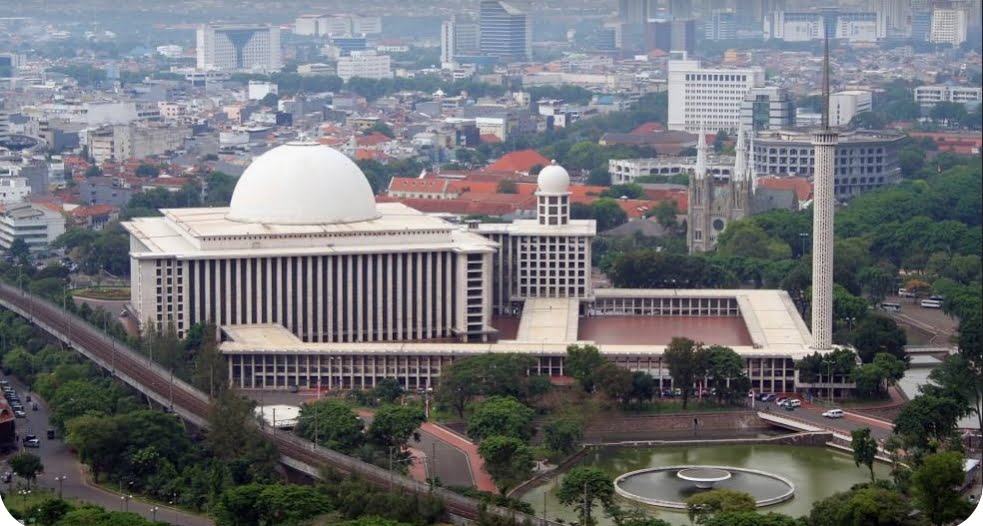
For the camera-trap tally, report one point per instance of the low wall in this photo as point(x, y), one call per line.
point(672, 426)
point(814, 438)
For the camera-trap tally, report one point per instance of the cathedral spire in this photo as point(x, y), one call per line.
point(740, 156)
point(701, 153)
point(751, 171)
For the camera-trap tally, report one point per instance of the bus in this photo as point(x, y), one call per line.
point(891, 307)
point(931, 304)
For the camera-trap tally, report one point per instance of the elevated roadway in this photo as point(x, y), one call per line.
point(160, 385)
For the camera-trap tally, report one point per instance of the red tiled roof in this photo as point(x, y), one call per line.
point(362, 155)
point(92, 211)
point(520, 161)
point(649, 127)
point(489, 138)
point(373, 139)
point(413, 184)
point(800, 185)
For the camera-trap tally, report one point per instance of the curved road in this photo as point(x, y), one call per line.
point(59, 461)
point(192, 405)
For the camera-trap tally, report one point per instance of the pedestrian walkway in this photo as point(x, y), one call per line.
point(482, 480)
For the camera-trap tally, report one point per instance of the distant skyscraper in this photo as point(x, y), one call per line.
point(949, 26)
point(458, 37)
point(636, 11)
point(505, 31)
point(824, 142)
point(681, 8)
point(720, 25)
point(239, 47)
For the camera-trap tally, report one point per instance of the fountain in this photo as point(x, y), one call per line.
point(669, 487)
point(704, 478)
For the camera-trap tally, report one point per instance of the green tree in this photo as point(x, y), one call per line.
point(393, 425)
point(726, 371)
point(687, 362)
point(750, 518)
point(387, 390)
point(581, 362)
point(93, 171)
point(333, 424)
point(666, 212)
point(19, 249)
point(935, 485)
point(583, 487)
point(928, 420)
point(876, 283)
point(270, 504)
point(563, 433)
point(879, 334)
point(863, 505)
point(52, 510)
point(501, 416)
point(27, 466)
point(864, 449)
point(147, 170)
point(504, 374)
point(617, 383)
point(608, 214)
point(702, 505)
point(78, 398)
point(744, 238)
point(97, 440)
point(507, 459)
point(234, 438)
point(270, 100)
point(210, 371)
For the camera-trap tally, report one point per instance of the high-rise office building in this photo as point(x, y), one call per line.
point(949, 26)
point(767, 108)
point(720, 25)
point(458, 37)
point(894, 16)
point(845, 105)
point(708, 96)
point(505, 31)
point(636, 11)
point(249, 47)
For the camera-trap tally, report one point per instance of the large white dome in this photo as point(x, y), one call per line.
point(553, 180)
point(302, 183)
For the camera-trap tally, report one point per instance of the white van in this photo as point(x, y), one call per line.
point(931, 304)
point(905, 293)
point(834, 413)
point(891, 307)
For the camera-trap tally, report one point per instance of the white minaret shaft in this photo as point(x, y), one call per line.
point(740, 156)
point(824, 142)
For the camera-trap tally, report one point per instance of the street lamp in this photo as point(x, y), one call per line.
point(154, 512)
point(125, 503)
point(60, 479)
point(829, 378)
point(803, 236)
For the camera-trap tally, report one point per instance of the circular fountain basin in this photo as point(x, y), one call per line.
point(670, 486)
point(703, 478)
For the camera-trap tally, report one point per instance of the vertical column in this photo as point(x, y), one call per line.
point(400, 293)
point(418, 259)
point(350, 327)
point(392, 294)
point(321, 300)
point(311, 298)
point(329, 302)
point(378, 324)
point(824, 144)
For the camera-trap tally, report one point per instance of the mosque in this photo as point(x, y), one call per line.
point(314, 285)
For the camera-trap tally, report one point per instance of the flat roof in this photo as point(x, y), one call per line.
point(208, 233)
point(773, 325)
point(549, 320)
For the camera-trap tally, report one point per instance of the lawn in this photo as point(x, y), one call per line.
point(103, 293)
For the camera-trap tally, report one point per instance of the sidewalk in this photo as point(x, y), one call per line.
point(482, 480)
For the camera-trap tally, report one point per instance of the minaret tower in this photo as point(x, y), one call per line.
point(824, 142)
point(553, 195)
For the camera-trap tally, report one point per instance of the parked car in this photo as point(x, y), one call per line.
point(791, 402)
point(834, 413)
point(32, 441)
point(781, 400)
point(767, 397)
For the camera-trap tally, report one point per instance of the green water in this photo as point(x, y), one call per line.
point(816, 473)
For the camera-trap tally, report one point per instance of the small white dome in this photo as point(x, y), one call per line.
point(553, 179)
point(302, 183)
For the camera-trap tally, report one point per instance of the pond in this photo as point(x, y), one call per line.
point(815, 472)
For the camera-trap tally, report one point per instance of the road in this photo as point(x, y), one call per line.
point(193, 405)
point(879, 429)
point(59, 462)
point(452, 465)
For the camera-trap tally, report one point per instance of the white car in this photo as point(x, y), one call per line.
point(793, 402)
point(834, 413)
